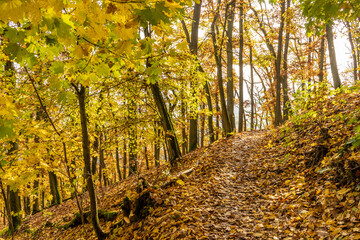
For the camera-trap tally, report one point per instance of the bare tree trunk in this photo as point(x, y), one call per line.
point(230, 79)
point(210, 117)
point(169, 131)
point(241, 68)
point(125, 158)
point(202, 128)
point(54, 189)
point(252, 101)
point(278, 115)
point(133, 168)
point(117, 157)
point(332, 55)
point(353, 51)
point(81, 93)
point(157, 145)
point(217, 54)
point(322, 59)
point(217, 115)
point(193, 133)
point(285, 87)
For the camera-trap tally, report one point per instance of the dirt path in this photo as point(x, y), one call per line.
point(237, 202)
point(229, 196)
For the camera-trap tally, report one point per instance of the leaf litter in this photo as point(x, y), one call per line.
point(300, 181)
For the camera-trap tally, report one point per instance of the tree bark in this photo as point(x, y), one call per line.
point(169, 131)
point(252, 101)
point(285, 87)
point(157, 145)
point(81, 93)
point(217, 55)
point(230, 79)
point(322, 59)
point(125, 158)
point(278, 115)
point(117, 157)
point(54, 188)
point(193, 132)
point(353, 51)
point(241, 67)
point(332, 55)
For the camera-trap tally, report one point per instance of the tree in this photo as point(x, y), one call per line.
point(332, 55)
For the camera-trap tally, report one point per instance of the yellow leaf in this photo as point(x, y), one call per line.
point(127, 220)
point(343, 191)
point(180, 182)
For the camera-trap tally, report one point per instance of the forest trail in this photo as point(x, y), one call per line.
point(228, 196)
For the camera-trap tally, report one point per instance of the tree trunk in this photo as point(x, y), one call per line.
point(184, 144)
point(169, 131)
point(252, 101)
point(241, 67)
point(217, 54)
point(193, 133)
point(146, 158)
point(15, 207)
point(54, 189)
point(217, 115)
point(332, 55)
point(157, 145)
point(210, 117)
point(117, 157)
point(230, 79)
point(278, 117)
point(353, 51)
point(133, 168)
point(202, 128)
point(125, 158)
point(96, 149)
point(81, 93)
point(285, 87)
point(322, 59)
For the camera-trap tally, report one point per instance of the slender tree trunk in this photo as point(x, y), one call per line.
point(332, 55)
point(125, 158)
point(169, 131)
point(241, 67)
point(146, 158)
point(252, 101)
point(217, 115)
point(278, 115)
point(230, 79)
point(285, 86)
point(87, 161)
point(353, 51)
point(157, 145)
point(310, 50)
point(117, 157)
point(193, 133)
point(170, 136)
point(322, 59)
point(133, 168)
point(96, 149)
point(217, 54)
point(184, 144)
point(202, 128)
point(210, 117)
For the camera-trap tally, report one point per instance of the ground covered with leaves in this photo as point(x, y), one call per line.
point(300, 181)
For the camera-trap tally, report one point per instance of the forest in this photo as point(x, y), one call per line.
point(179, 119)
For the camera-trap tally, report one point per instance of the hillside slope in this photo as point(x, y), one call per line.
point(300, 181)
